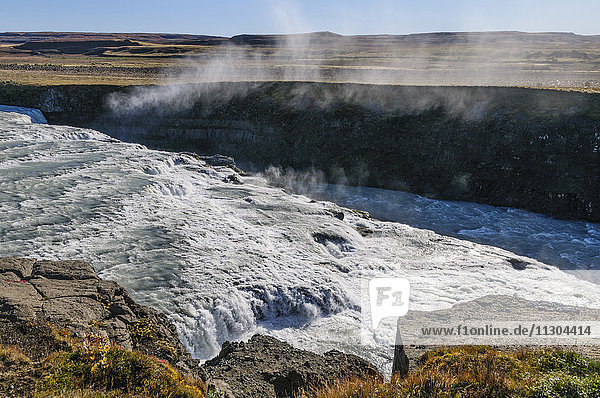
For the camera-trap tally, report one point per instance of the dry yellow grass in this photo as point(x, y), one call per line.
point(482, 372)
point(12, 355)
point(551, 64)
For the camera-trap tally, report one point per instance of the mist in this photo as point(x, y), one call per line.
point(505, 59)
point(324, 73)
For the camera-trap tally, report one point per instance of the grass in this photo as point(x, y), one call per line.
point(114, 370)
point(45, 78)
point(92, 367)
point(550, 63)
point(11, 355)
point(96, 365)
point(475, 371)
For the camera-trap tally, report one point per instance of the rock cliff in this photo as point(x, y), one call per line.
point(69, 294)
point(533, 149)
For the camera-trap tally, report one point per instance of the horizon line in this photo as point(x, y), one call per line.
point(306, 33)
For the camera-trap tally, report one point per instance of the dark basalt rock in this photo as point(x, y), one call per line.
point(517, 264)
point(267, 367)
point(69, 294)
point(218, 160)
point(232, 179)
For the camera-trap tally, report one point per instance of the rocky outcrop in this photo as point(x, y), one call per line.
point(533, 149)
point(36, 296)
point(266, 367)
point(70, 294)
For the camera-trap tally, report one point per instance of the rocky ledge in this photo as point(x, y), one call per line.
point(37, 295)
point(70, 294)
point(267, 367)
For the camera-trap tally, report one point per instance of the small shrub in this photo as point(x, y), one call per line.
point(142, 330)
point(565, 361)
point(560, 385)
point(97, 366)
point(166, 346)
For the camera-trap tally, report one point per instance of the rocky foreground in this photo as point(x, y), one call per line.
point(69, 294)
point(37, 298)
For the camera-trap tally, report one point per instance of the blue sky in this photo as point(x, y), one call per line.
point(228, 18)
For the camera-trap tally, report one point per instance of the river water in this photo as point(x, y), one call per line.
point(226, 256)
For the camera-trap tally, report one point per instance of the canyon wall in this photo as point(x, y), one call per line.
point(533, 149)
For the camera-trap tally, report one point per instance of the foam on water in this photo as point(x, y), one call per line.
point(566, 244)
point(224, 260)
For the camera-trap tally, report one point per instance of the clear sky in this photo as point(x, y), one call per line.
point(227, 18)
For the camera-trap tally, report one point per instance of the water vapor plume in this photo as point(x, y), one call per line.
point(430, 59)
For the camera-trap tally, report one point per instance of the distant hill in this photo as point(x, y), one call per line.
point(440, 38)
point(158, 38)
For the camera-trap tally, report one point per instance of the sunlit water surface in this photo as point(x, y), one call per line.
point(226, 260)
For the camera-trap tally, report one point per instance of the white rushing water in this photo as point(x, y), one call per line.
point(227, 260)
point(565, 243)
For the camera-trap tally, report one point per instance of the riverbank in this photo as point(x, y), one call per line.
point(66, 332)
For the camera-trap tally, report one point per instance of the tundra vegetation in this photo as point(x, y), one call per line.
point(479, 371)
point(89, 366)
point(544, 60)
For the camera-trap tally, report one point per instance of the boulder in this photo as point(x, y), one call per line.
point(70, 294)
point(267, 367)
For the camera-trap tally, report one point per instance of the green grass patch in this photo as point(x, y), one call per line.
point(106, 369)
point(477, 371)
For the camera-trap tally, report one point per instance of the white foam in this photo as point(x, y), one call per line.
point(224, 260)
